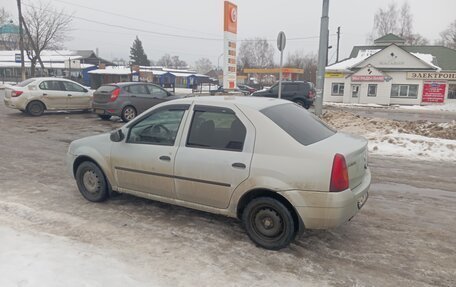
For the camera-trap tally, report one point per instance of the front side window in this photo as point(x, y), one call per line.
point(372, 90)
point(157, 92)
point(337, 89)
point(216, 128)
point(72, 87)
point(404, 91)
point(158, 128)
point(51, 86)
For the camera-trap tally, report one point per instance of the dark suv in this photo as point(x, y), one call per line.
point(302, 93)
point(127, 100)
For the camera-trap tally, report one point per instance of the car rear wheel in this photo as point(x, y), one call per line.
point(35, 108)
point(128, 113)
point(268, 223)
point(104, 117)
point(91, 182)
point(302, 104)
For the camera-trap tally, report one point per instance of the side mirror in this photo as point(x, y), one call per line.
point(117, 135)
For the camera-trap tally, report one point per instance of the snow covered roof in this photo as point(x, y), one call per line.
point(112, 70)
point(427, 58)
point(47, 65)
point(46, 56)
point(346, 64)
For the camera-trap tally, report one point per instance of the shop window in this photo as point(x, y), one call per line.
point(404, 91)
point(372, 90)
point(337, 89)
point(452, 91)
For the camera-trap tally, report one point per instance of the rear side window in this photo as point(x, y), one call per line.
point(138, 89)
point(303, 126)
point(52, 86)
point(216, 129)
point(290, 87)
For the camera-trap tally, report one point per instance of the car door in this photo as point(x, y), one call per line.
point(77, 96)
point(139, 97)
point(144, 161)
point(53, 94)
point(158, 95)
point(214, 155)
point(290, 90)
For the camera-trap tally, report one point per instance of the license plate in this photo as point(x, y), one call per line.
point(100, 112)
point(362, 200)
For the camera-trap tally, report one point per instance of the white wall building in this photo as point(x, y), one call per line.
point(390, 72)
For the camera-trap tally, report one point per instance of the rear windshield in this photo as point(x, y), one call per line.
point(303, 126)
point(25, 83)
point(106, 89)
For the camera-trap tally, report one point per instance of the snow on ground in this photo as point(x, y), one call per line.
point(31, 259)
point(447, 107)
point(414, 140)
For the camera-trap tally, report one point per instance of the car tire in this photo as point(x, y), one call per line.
point(268, 223)
point(91, 182)
point(128, 113)
point(35, 108)
point(105, 117)
point(302, 104)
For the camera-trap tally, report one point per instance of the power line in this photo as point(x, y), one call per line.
point(131, 18)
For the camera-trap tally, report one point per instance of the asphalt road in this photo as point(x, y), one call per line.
point(405, 235)
point(399, 115)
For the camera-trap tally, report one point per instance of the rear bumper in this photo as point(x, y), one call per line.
point(15, 103)
point(324, 210)
point(106, 109)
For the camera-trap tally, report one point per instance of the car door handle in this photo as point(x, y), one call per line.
point(69, 95)
point(133, 96)
point(165, 158)
point(45, 94)
point(238, 165)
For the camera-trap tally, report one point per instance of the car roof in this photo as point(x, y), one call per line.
point(257, 103)
point(50, 79)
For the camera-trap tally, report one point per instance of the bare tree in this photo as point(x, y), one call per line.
point(405, 22)
point(46, 28)
point(5, 16)
point(169, 61)
point(307, 62)
point(448, 36)
point(256, 53)
point(203, 65)
point(385, 20)
point(178, 63)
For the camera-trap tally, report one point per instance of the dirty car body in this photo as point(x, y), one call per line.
point(268, 162)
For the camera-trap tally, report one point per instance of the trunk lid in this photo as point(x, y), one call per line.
point(354, 149)
point(103, 94)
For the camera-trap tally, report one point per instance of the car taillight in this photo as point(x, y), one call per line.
point(339, 174)
point(16, 93)
point(114, 95)
point(311, 94)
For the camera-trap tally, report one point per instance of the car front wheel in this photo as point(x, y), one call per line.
point(268, 223)
point(128, 113)
point(91, 182)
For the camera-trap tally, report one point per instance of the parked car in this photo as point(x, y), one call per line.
point(268, 162)
point(221, 90)
point(246, 88)
point(36, 95)
point(302, 93)
point(127, 100)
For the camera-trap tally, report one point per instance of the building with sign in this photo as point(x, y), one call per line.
point(390, 72)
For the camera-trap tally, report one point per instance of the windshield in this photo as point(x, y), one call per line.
point(303, 126)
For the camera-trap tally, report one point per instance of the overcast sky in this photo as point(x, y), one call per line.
point(256, 18)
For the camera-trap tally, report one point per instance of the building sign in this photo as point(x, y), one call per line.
point(367, 78)
point(229, 45)
point(431, 76)
point(333, 75)
point(17, 58)
point(433, 92)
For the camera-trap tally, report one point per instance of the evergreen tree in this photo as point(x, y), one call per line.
point(137, 55)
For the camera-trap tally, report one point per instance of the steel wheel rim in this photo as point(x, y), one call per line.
point(91, 181)
point(35, 109)
point(129, 113)
point(267, 223)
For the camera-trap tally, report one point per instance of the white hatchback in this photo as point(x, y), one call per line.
point(268, 162)
point(36, 95)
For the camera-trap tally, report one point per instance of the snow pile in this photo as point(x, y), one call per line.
point(46, 260)
point(447, 107)
point(414, 140)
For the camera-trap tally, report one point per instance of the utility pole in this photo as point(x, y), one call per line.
point(322, 57)
point(21, 39)
point(338, 40)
